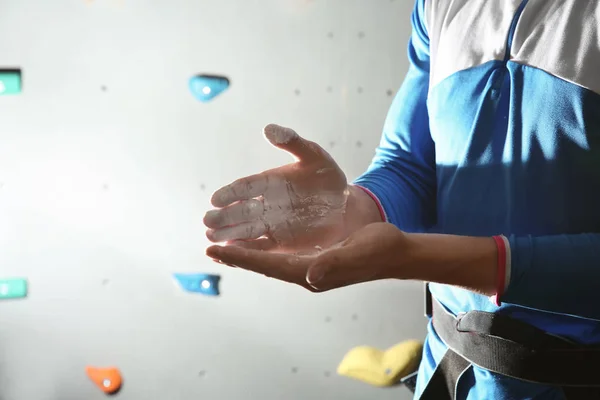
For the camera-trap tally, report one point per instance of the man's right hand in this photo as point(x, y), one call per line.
point(293, 208)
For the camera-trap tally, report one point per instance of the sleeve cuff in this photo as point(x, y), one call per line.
point(504, 268)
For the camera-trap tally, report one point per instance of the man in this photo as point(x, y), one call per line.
point(486, 184)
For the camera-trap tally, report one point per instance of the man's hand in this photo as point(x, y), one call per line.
point(377, 251)
point(291, 208)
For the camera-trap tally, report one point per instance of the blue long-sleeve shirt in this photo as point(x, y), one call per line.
point(496, 130)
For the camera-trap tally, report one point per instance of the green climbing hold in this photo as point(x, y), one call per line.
point(13, 288)
point(10, 81)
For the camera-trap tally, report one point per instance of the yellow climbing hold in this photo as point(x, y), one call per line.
point(382, 367)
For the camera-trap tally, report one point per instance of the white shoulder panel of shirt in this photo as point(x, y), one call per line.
point(560, 37)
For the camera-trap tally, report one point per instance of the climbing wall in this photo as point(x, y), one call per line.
point(107, 163)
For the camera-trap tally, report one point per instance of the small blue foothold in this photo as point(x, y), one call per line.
point(207, 87)
point(199, 283)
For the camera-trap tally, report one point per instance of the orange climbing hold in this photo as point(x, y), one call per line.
point(109, 380)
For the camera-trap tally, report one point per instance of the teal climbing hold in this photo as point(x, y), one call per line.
point(13, 288)
point(206, 284)
point(206, 87)
point(10, 81)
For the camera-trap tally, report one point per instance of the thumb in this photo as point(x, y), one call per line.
point(287, 139)
point(329, 264)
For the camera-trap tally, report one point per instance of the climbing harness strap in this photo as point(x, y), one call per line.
point(509, 347)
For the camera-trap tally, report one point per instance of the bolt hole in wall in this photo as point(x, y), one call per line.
point(198, 282)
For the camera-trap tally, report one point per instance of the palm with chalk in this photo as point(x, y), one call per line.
point(292, 208)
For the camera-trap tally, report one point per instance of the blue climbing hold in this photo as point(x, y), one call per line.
point(199, 283)
point(207, 87)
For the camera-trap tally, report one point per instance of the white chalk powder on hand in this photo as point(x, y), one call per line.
point(278, 134)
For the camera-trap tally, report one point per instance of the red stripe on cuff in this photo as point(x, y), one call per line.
point(501, 273)
point(376, 200)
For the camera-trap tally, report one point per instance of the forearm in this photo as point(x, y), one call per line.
point(402, 173)
point(464, 261)
point(559, 273)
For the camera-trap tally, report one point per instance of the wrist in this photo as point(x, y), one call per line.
point(362, 208)
point(464, 261)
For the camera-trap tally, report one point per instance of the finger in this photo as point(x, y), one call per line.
point(241, 189)
point(288, 140)
point(243, 231)
point(316, 273)
point(243, 211)
point(285, 267)
point(263, 244)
